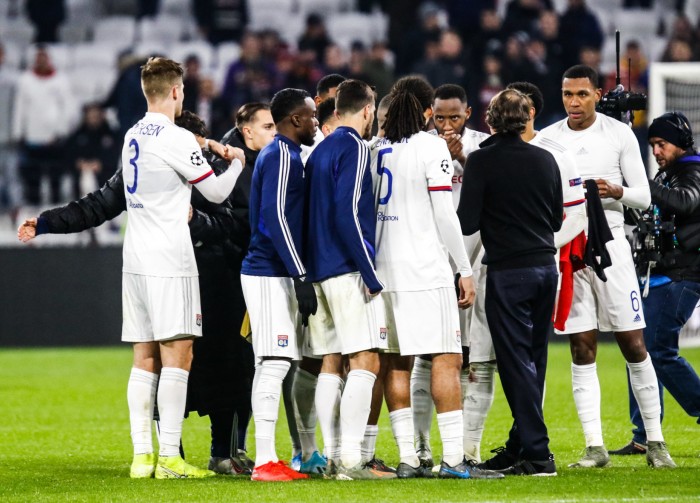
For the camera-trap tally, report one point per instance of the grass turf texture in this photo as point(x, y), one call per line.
point(64, 435)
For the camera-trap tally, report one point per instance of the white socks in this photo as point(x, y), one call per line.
point(355, 406)
point(646, 391)
point(477, 401)
point(141, 395)
point(303, 394)
point(172, 398)
point(402, 426)
point(451, 429)
point(584, 379)
point(267, 388)
point(422, 404)
point(328, 391)
point(369, 443)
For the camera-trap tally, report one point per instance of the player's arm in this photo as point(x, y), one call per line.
point(636, 194)
point(472, 197)
point(683, 198)
point(90, 211)
point(275, 176)
point(574, 201)
point(218, 226)
point(351, 184)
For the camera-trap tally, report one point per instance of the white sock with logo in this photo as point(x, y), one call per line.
point(478, 398)
point(645, 388)
point(586, 387)
point(172, 397)
point(329, 389)
point(304, 393)
point(355, 406)
point(265, 398)
point(422, 404)
point(369, 442)
point(141, 397)
point(451, 426)
point(402, 426)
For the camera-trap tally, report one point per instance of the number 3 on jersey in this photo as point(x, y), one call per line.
point(132, 161)
point(381, 170)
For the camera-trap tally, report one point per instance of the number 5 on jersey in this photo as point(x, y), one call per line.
point(131, 189)
point(382, 170)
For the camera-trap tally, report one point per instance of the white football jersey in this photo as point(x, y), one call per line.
point(607, 149)
point(410, 255)
point(571, 181)
point(160, 162)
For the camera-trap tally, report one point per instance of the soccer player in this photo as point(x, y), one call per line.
point(160, 290)
point(413, 181)
point(326, 88)
point(518, 210)
point(340, 248)
point(273, 275)
point(450, 113)
point(327, 120)
point(607, 151)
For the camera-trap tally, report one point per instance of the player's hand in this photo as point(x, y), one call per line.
point(467, 292)
point(371, 295)
point(190, 215)
point(27, 231)
point(237, 153)
point(223, 151)
point(454, 145)
point(306, 298)
point(607, 189)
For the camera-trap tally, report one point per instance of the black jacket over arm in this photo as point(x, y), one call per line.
point(512, 193)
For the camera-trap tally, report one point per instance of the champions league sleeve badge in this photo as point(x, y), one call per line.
point(196, 158)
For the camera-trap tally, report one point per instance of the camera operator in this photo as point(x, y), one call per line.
point(675, 278)
point(607, 151)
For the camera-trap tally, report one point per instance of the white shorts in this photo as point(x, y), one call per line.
point(423, 322)
point(480, 343)
point(611, 306)
point(274, 316)
point(347, 320)
point(160, 309)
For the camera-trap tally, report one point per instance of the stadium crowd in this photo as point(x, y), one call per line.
point(481, 46)
point(316, 227)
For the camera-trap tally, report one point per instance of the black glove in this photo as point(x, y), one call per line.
point(457, 276)
point(306, 298)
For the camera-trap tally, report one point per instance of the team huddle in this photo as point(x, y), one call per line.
point(406, 268)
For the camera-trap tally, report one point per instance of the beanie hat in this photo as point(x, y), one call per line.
point(673, 127)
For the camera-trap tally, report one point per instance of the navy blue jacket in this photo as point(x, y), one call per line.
point(277, 198)
point(342, 218)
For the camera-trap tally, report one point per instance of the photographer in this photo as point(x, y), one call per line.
point(675, 278)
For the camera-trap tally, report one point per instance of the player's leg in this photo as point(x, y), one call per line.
point(638, 444)
point(369, 442)
point(141, 397)
point(422, 406)
point(288, 399)
point(303, 394)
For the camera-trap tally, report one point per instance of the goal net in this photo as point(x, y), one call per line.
point(675, 87)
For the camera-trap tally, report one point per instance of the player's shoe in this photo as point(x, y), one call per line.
point(596, 456)
point(174, 467)
point(143, 466)
point(630, 449)
point(276, 472)
point(467, 469)
point(378, 464)
point(362, 472)
point(228, 466)
point(503, 459)
point(658, 456)
point(296, 461)
point(331, 470)
point(242, 456)
point(406, 471)
point(316, 464)
point(545, 468)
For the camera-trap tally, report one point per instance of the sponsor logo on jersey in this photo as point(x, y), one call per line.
point(382, 333)
point(198, 320)
point(132, 204)
point(575, 181)
point(381, 217)
point(445, 166)
point(196, 158)
point(582, 151)
point(283, 341)
point(637, 318)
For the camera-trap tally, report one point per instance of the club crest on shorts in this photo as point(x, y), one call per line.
point(283, 341)
point(198, 320)
point(382, 333)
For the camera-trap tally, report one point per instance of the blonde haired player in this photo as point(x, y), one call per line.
point(160, 291)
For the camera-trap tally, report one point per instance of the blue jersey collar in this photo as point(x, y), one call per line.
point(292, 145)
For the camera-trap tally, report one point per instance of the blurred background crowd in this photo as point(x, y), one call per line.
point(69, 69)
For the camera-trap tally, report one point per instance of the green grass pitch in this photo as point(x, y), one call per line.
point(64, 435)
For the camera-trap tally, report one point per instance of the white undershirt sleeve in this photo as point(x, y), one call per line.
point(217, 188)
point(636, 194)
point(573, 225)
point(450, 231)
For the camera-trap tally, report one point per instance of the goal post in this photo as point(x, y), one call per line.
point(675, 87)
